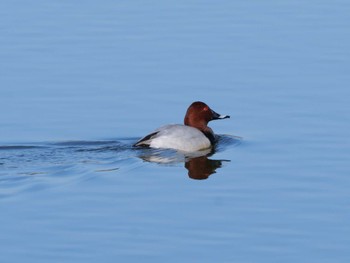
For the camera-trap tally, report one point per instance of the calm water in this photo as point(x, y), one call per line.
point(80, 82)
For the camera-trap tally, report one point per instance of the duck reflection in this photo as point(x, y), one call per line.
point(200, 168)
point(198, 164)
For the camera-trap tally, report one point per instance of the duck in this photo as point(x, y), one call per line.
point(192, 136)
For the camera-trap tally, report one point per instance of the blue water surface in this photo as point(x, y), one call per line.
point(81, 81)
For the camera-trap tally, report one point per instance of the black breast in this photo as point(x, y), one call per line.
point(210, 136)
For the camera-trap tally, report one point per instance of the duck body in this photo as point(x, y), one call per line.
point(176, 136)
point(193, 136)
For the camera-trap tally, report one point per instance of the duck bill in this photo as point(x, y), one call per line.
point(217, 116)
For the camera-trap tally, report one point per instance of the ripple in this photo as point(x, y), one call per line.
point(49, 164)
point(18, 147)
point(84, 143)
point(227, 141)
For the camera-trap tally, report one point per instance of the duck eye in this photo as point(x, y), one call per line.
point(206, 108)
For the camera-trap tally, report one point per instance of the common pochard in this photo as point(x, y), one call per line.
point(194, 135)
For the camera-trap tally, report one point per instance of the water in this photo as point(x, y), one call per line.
point(81, 82)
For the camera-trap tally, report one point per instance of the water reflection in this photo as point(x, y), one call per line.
point(198, 164)
point(200, 168)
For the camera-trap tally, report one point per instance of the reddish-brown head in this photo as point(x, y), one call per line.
point(199, 114)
